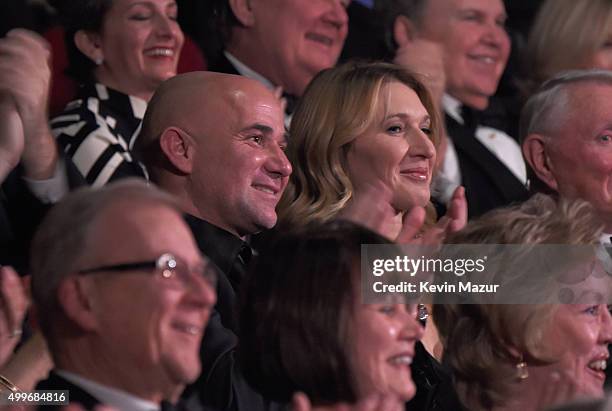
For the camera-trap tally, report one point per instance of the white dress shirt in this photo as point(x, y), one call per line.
point(113, 397)
point(504, 147)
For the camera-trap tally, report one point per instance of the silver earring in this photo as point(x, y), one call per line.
point(422, 312)
point(98, 61)
point(522, 372)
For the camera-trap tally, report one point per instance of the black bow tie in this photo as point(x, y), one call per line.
point(494, 117)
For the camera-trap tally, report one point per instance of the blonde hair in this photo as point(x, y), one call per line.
point(477, 337)
point(339, 104)
point(564, 34)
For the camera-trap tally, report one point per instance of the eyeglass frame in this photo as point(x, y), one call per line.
point(166, 264)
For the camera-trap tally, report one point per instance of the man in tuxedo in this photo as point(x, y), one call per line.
point(215, 141)
point(474, 51)
point(123, 296)
point(282, 43)
point(566, 136)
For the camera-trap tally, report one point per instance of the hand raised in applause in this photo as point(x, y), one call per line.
point(371, 207)
point(24, 86)
point(11, 136)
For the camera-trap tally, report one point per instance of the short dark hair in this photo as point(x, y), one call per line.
point(295, 313)
point(78, 15)
point(222, 20)
point(391, 9)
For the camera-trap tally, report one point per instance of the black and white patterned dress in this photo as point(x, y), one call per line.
point(98, 130)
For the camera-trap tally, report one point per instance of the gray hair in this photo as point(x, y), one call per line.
point(546, 107)
point(544, 111)
point(64, 239)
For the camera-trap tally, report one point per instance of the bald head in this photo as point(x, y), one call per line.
point(191, 100)
point(215, 140)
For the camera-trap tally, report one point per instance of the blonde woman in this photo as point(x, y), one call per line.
point(567, 35)
point(363, 146)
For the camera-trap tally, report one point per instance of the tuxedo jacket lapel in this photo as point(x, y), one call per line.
point(482, 172)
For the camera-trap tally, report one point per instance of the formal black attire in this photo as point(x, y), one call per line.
point(366, 34)
point(221, 385)
point(435, 391)
point(76, 393)
point(90, 394)
point(21, 212)
point(222, 65)
point(488, 182)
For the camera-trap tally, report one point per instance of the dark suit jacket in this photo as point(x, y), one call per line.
point(435, 391)
point(222, 65)
point(20, 215)
point(77, 394)
point(221, 385)
point(488, 182)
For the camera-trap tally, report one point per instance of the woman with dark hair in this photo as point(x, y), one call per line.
point(120, 51)
point(304, 328)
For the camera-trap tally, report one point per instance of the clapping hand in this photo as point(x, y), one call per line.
point(371, 207)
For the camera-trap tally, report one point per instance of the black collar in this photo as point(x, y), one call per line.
point(227, 251)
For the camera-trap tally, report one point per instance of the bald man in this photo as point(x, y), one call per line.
point(216, 142)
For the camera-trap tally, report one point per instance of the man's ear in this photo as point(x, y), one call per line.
point(75, 301)
point(404, 30)
point(178, 148)
point(88, 43)
point(536, 155)
point(243, 11)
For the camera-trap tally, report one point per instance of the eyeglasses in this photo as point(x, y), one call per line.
point(167, 265)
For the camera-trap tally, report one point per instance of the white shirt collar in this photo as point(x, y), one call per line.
point(452, 107)
point(109, 396)
point(246, 71)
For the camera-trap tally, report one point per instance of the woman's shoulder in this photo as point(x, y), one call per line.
point(101, 106)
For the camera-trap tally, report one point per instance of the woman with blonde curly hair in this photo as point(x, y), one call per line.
point(528, 357)
point(363, 143)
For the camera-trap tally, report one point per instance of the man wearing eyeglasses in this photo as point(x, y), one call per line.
point(215, 141)
point(123, 297)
